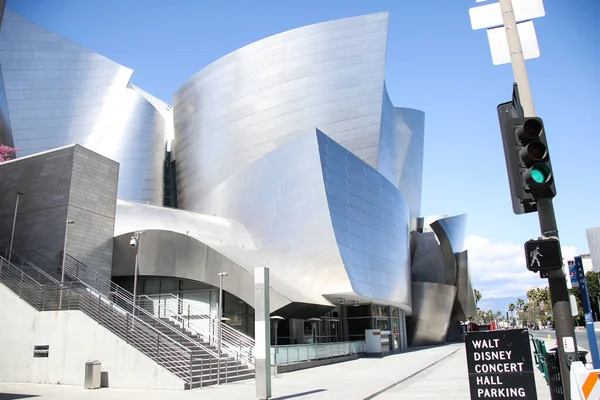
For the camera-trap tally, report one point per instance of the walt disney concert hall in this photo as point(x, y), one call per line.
point(287, 153)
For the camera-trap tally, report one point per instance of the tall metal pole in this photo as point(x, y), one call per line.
point(587, 310)
point(262, 333)
point(64, 259)
point(12, 235)
point(220, 323)
point(561, 308)
point(136, 268)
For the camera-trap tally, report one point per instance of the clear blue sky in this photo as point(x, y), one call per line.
point(435, 63)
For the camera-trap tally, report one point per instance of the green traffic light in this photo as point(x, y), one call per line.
point(540, 173)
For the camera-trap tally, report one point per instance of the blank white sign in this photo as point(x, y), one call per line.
point(489, 15)
point(499, 44)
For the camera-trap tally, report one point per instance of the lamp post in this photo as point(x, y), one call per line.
point(62, 269)
point(12, 235)
point(135, 243)
point(276, 319)
point(313, 322)
point(220, 330)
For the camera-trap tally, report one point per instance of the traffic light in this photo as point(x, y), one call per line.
point(543, 255)
point(536, 169)
point(527, 159)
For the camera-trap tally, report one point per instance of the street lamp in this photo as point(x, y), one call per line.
point(220, 326)
point(135, 243)
point(313, 322)
point(62, 270)
point(276, 319)
point(12, 235)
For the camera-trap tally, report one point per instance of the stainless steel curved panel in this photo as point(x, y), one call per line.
point(465, 294)
point(401, 149)
point(59, 93)
point(167, 253)
point(281, 200)
point(432, 308)
point(428, 259)
point(452, 230)
point(451, 233)
point(328, 76)
point(176, 243)
point(371, 224)
point(332, 224)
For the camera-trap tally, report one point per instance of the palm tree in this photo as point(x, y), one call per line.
point(511, 308)
point(520, 309)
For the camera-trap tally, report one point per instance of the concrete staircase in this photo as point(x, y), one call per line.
point(180, 351)
point(204, 367)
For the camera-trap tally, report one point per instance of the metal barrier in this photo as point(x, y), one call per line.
point(176, 309)
point(299, 353)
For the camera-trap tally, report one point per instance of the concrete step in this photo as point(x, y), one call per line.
point(212, 363)
point(213, 380)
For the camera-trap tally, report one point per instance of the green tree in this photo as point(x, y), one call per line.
point(477, 295)
point(538, 306)
point(594, 291)
point(520, 304)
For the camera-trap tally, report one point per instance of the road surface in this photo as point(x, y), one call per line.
point(580, 336)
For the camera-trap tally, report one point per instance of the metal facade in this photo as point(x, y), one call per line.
point(440, 275)
point(400, 157)
point(332, 224)
point(328, 76)
point(291, 149)
point(59, 93)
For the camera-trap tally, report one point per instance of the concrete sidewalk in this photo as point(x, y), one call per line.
point(448, 380)
point(434, 373)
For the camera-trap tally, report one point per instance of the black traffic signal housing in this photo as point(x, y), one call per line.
point(543, 254)
point(527, 159)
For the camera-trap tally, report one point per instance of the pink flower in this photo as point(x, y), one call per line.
point(6, 152)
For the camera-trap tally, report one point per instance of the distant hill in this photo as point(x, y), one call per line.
point(497, 304)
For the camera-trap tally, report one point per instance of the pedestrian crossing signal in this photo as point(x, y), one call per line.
point(543, 255)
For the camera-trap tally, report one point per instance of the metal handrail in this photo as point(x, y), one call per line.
point(183, 313)
point(189, 310)
point(77, 296)
point(120, 303)
point(17, 259)
point(20, 283)
point(83, 273)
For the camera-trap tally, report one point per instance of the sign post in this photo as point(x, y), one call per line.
point(500, 364)
point(587, 311)
point(262, 329)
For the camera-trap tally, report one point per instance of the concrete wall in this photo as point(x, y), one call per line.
point(92, 205)
point(71, 182)
point(73, 339)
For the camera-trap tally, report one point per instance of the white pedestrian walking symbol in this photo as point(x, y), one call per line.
point(534, 256)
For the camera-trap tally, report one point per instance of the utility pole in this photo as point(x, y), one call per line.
point(561, 309)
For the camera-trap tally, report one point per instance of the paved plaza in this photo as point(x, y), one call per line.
point(429, 373)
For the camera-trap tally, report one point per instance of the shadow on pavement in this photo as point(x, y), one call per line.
point(15, 396)
point(419, 348)
point(289, 396)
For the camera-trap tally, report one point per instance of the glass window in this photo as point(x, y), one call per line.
point(169, 285)
point(151, 285)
